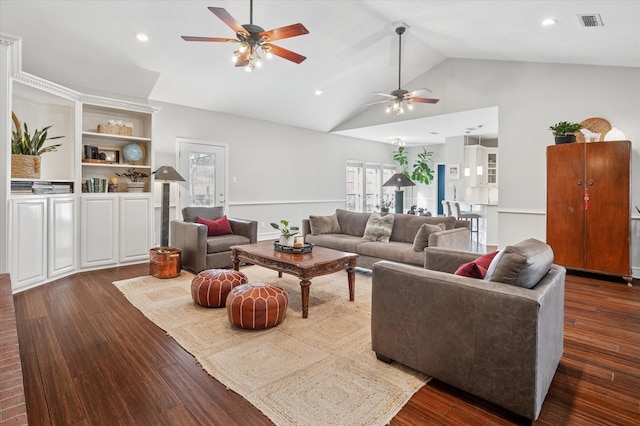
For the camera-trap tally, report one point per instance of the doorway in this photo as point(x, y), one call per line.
point(203, 166)
point(441, 180)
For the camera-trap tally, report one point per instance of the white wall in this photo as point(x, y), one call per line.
point(282, 172)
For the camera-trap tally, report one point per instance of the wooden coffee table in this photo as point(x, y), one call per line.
point(321, 261)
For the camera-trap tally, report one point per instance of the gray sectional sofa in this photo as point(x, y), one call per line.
point(500, 339)
point(344, 231)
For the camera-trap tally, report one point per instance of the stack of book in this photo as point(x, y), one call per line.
point(21, 187)
point(96, 185)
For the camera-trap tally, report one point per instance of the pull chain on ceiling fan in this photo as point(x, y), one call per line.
point(401, 99)
point(254, 40)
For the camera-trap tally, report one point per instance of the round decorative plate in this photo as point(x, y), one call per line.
point(132, 152)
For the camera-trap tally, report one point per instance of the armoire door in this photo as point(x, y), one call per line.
point(565, 204)
point(607, 220)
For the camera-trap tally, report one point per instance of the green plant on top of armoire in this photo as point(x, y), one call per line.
point(421, 168)
point(564, 131)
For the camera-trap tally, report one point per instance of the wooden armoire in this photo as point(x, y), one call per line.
point(588, 210)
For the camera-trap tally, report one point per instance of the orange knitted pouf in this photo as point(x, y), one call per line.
point(257, 305)
point(210, 287)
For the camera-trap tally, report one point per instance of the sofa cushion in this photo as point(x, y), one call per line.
point(378, 227)
point(393, 251)
point(352, 223)
point(406, 226)
point(477, 268)
point(340, 242)
point(324, 224)
point(421, 239)
point(521, 265)
point(189, 214)
point(216, 227)
point(222, 243)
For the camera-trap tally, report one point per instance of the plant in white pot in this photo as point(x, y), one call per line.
point(287, 233)
point(26, 149)
point(136, 179)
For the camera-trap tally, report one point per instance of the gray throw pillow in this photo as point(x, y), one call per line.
point(422, 236)
point(521, 265)
point(378, 227)
point(324, 224)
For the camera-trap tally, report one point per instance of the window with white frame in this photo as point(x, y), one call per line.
point(364, 185)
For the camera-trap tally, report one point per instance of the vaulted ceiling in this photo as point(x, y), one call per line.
point(351, 47)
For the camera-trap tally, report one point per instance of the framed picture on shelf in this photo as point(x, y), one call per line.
point(112, 155)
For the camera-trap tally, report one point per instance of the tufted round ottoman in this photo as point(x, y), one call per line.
point(255, 306)
point(210, 287)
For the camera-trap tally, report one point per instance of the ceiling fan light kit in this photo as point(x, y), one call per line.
point(254, 40)
point(400, 100)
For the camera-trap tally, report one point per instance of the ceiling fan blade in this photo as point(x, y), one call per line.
point(417, 93)
point(215, 39)
point(386, 95)
point(375, 103)
point(286, 54)
point(229, 20)
point(289, 31)
point(424, 100)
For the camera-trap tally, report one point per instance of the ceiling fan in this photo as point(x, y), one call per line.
point(400, 99)
point(254, 39)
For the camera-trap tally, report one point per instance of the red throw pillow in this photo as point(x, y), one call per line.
point(477, 268)
point(216, 227)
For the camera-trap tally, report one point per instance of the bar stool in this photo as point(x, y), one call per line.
point(446, 208)
point(467, 216)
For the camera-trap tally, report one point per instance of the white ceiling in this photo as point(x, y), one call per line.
point(352, 51)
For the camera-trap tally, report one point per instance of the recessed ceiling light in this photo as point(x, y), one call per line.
point(318, 92)
point(140, 36)
point(548, 22)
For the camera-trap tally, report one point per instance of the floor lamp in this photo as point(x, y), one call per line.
point(165, 261)
point(399, 180)
point(166, 174)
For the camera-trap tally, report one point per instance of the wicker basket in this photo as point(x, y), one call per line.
point(25, 166)
point(114, 129)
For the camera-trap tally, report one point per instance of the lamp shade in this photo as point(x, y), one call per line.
point(399, 180)
point(168, 174)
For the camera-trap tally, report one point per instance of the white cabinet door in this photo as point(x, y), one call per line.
point(28, 247)
point(62, 235)
point(98, 230)
point(135, 227)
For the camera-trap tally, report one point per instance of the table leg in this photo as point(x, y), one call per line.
point(235, 260)
point(351, 277)
point(304, 287)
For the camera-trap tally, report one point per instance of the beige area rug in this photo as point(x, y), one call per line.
point(315, 371)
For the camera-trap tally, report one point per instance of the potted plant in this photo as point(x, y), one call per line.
point(287, 233)
point(26, 149)
point(385, 205)
point(421, 170)
point(136, 179)
point(564, 131)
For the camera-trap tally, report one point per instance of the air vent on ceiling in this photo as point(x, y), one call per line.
point(591, 20)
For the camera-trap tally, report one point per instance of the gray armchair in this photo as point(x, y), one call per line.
point(200, 252)
point(500, 342)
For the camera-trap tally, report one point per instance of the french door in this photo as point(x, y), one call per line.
point(203, 166)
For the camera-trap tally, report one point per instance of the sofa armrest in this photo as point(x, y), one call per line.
point(306, 228)
point(191, 239)
point(447, 260)
point(496, 341)
point(457, 238)
point(246, 228)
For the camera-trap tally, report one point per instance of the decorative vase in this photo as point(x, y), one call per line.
point(384, 209)
point(287, 241)
point(25, 166)
point(565, 139)
point(135, 187)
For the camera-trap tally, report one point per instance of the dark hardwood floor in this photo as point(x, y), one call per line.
point(91, 358)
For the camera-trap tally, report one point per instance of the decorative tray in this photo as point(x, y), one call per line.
point(305, 248)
